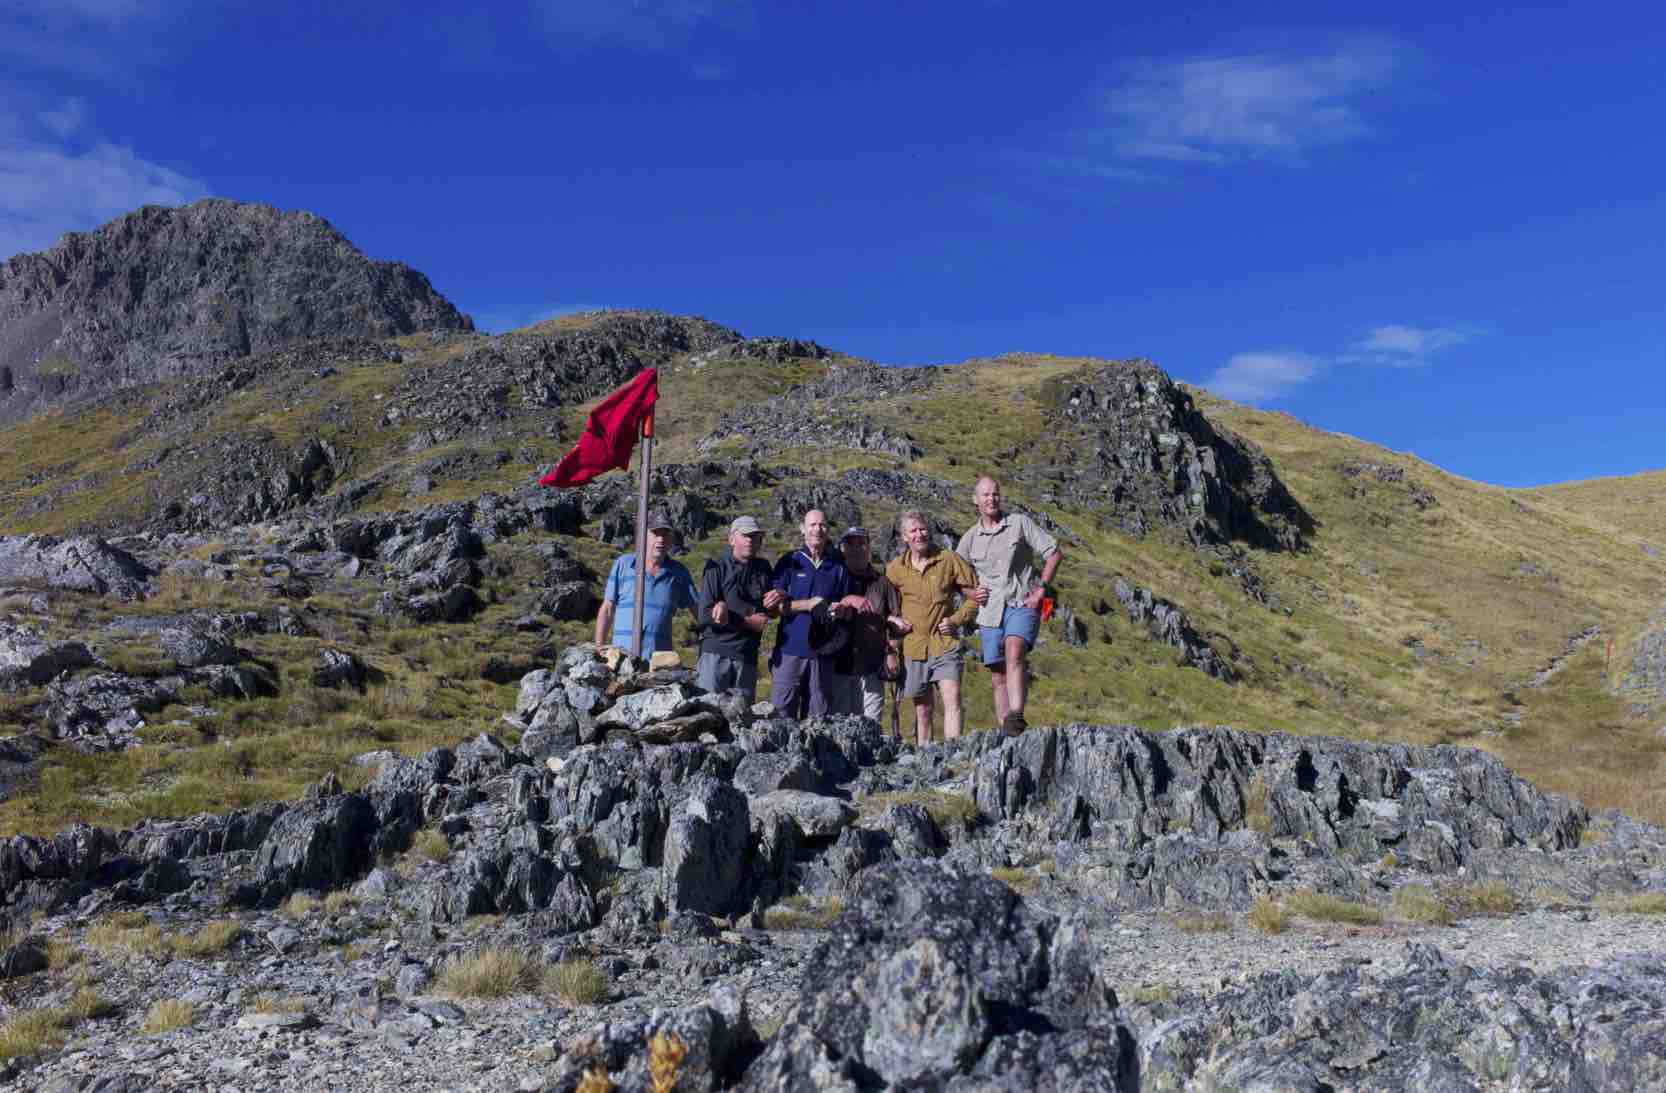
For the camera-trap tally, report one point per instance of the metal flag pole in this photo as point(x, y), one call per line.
point(646, 463)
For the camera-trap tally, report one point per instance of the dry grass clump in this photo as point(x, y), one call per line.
point(947, 809)
point(277, 1003)
point(32, 1032)
point(1024, 880)
point(1268, 916)
point(338, 901)
point(595, 1080)
point(214, 937)
point(577, 982)
point(431, 845)
point(117, 935)
point(1485, 899)
point(1419, 903)
point(495, 972)
point(86, 1004)
point(800, 912)
point(168, 1014)
point(1146, 995)
point(1323, 908)
point(665, 1061)
point(1202, 922)
point(300, 905)
point(1638, 903)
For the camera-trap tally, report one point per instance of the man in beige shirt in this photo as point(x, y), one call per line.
point(1003, 547)
point(926, 578)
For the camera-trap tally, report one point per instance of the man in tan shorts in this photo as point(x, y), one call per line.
point(926, 577)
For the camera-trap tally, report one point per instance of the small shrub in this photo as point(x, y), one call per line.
point(167, 1015)
point(1418, 903)
point(577, 982)
point(1268, 916)
point(1485, 899)
point(1640, 903)
point(1317, 905)
point(665, 1061)
point(489, 973)
point(1202, 922)
point(595, 1080)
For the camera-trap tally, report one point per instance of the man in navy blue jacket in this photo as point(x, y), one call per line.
point(813, 580)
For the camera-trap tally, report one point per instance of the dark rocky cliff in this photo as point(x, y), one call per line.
point(163, 292)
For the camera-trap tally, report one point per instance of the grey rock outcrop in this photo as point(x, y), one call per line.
point(933, 978)
point(27, 659)
point(160, 293)
point(1169, 625)
point(1141, 452)
point(71, 565)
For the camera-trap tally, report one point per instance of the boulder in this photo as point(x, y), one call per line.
point(190, 647)
point(706, 850)
point(337, 668)
point(73, 565)
point(28, 660)
point(817, 817)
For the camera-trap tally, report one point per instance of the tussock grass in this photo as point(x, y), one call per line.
point(800, 912)
point(1256, 816)
point(214, 937)
point(88, 1004)
point(166, 1015)
point(301, 904)
point(1485, 899)
point(1323, 908)
point(577, 982)
point(949, 810)
point(1023, 880)
point(595, 1080)
point(116, 938)
point(1202, 922)
point(1639, 903)
point(1420, 903)
point(665, 1062)
point(1268, 916)
point(493, 972)
point(1146, 995)
point(276, 1003)
point(33, 1031)
point(339, 900)
point(431, 844)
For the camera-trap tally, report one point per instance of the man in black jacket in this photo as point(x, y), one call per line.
point(736, 601)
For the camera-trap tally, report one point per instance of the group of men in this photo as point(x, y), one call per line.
point(847, 626)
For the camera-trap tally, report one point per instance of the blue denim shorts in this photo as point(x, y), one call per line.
point(1016, 622)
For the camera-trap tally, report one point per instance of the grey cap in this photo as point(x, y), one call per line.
point(854, 533)
point(660, 520)
point(745, 525)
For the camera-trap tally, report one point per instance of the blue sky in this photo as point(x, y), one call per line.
point(1436, 230)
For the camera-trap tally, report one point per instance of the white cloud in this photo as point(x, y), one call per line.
point(1401, 346)
point(66, 119)
point(1224, 109)
point(48, 189)
point(1261, 377)
point(650, 26)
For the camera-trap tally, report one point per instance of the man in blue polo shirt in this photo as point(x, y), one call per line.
point(814, 580)
point(670, 588)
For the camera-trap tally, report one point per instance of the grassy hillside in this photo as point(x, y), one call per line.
point(1422, 612)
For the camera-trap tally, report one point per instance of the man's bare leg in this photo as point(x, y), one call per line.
point(1017, 678)
point(951, 708)
point(922, 718)
point(998, 679)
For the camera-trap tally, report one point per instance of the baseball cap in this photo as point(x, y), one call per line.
point(854, 533)
point(660, 520)
point(745, 525)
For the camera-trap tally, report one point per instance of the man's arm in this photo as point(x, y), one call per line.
point(604, 625)
point(967, 579)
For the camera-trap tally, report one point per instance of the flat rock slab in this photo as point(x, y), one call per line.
point(817, 817)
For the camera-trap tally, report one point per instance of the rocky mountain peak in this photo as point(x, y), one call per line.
point(163, 292)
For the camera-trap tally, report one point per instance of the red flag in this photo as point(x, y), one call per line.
point(609, 432)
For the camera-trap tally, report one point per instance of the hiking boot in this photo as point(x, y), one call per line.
point(1014, 723)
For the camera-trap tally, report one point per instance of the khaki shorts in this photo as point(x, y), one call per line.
point(921, 674)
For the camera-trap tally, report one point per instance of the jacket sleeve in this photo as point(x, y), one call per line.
point(967, 579)
point(710, 592)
